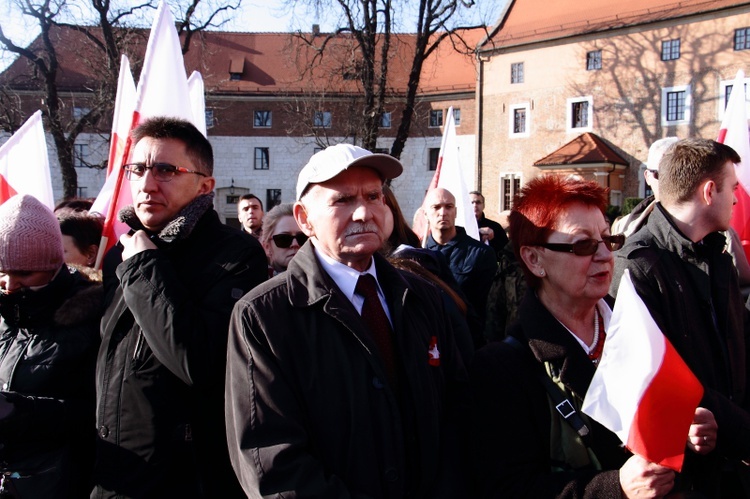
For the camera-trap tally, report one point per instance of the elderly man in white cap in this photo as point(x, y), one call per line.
point(343, 378)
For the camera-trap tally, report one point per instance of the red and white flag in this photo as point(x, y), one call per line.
point(642, 390)
point(24, 164)
point(162, 91)
point(733, 132)
point(121, 123)
point(449, 175)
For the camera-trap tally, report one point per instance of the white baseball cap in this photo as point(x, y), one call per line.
point(333, 160)
point(657, 150)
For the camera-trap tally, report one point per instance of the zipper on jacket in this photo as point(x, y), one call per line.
point(138, 346)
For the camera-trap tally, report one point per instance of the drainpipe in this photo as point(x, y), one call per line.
point(480, 118)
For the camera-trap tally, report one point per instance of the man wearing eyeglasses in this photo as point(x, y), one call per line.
point(343, 377)
point(170, 287)
point(281, 237)
point(680, 269)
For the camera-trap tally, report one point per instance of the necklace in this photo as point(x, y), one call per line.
point(595, 352)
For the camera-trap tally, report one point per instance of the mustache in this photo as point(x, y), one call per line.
point(361, 228)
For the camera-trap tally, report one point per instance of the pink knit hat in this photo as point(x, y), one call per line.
point(30, 237)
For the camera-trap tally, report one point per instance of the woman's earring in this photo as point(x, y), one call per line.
point(541, 273)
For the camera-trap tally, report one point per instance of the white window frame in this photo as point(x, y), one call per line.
point(723, 96)
point(209, 116)
point(511, 119)
point(509, 176)
point(268, 122)
point(434, 112)
point(517, 73)
point(688, 105)
point(569, 114)
point(80, 152)
point(615, 198)
point(457, 116)
point(322, 119)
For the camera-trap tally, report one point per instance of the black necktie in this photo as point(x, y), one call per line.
point(377, 323)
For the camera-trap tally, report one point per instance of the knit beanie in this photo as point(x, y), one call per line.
point(30, 237)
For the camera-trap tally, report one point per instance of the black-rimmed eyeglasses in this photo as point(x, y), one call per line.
point(162, 172)
point(587, 247)
point(284, 241)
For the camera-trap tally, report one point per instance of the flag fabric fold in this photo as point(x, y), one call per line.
point(733, 132)
point(642, 389)
point(449, 175)
point(24, 163)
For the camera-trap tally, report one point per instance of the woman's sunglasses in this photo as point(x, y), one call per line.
point(587, 247)
point(285, 240)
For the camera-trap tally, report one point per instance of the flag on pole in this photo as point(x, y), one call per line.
point(197, 101)
point(449, 175)
point(24, 164)
point(642, 389)
point(162, 91)
point(733, 132)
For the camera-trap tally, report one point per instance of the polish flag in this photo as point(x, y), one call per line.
point(733, 132)
point(449, 175)
point(162, 91)
point(642, 390)
point(24, 164)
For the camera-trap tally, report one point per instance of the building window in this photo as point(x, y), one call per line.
point(385, 120)
point(519, 120)
point(742, 39)
point(381, 150)
point(233, 198)
point(433, 158)
point(80, 112)
point(262, 159)
point(80, 152)
point(594, 60)
point(726, 92)
point(615, 198)
point(235, 76)
point(273, 198)
point(675, 105)
point(209, 118)
point(436, 118)
point(670, 50)
point(516, 72)
point(81, 192)
point(322, 119)
point(261, 119)
point(509, 186)
point(580, 113)
point(457, 116)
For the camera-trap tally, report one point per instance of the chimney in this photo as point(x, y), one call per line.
point(316, 29)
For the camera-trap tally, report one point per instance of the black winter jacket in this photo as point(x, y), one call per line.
point(308, 412)
point(48, 344)
point(161, 367)
point(513, 420)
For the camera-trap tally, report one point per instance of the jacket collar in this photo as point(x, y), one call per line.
point(670, 238)
point(432, 244)
point(180, 227)
point(549, 341)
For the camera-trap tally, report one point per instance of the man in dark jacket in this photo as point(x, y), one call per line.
point(491, 232)
point(321, 402)
point(170, 288)
point(472, 263)
point(681, 270)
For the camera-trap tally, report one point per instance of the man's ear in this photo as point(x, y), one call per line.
point(300, 216)
point(207, 185)
point(708, 191)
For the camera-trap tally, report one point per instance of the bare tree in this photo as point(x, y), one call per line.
point(364, 47)
point(98, 48)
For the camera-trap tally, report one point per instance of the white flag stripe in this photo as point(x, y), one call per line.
point(198, 101)
point(24, 162)
point(633, 352)
point(735, 124)
point(452, 178)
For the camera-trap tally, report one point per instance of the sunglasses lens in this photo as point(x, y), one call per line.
point(615, 242)
point(585, 247)
point(301, 238)
point(283, 240)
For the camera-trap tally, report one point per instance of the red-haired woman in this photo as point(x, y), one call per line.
point(524, 447)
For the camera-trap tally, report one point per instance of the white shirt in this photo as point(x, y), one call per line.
point(346, 279)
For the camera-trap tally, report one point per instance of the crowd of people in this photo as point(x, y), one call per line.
point(323, 350)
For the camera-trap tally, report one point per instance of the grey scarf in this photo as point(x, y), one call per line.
point(180, 227)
